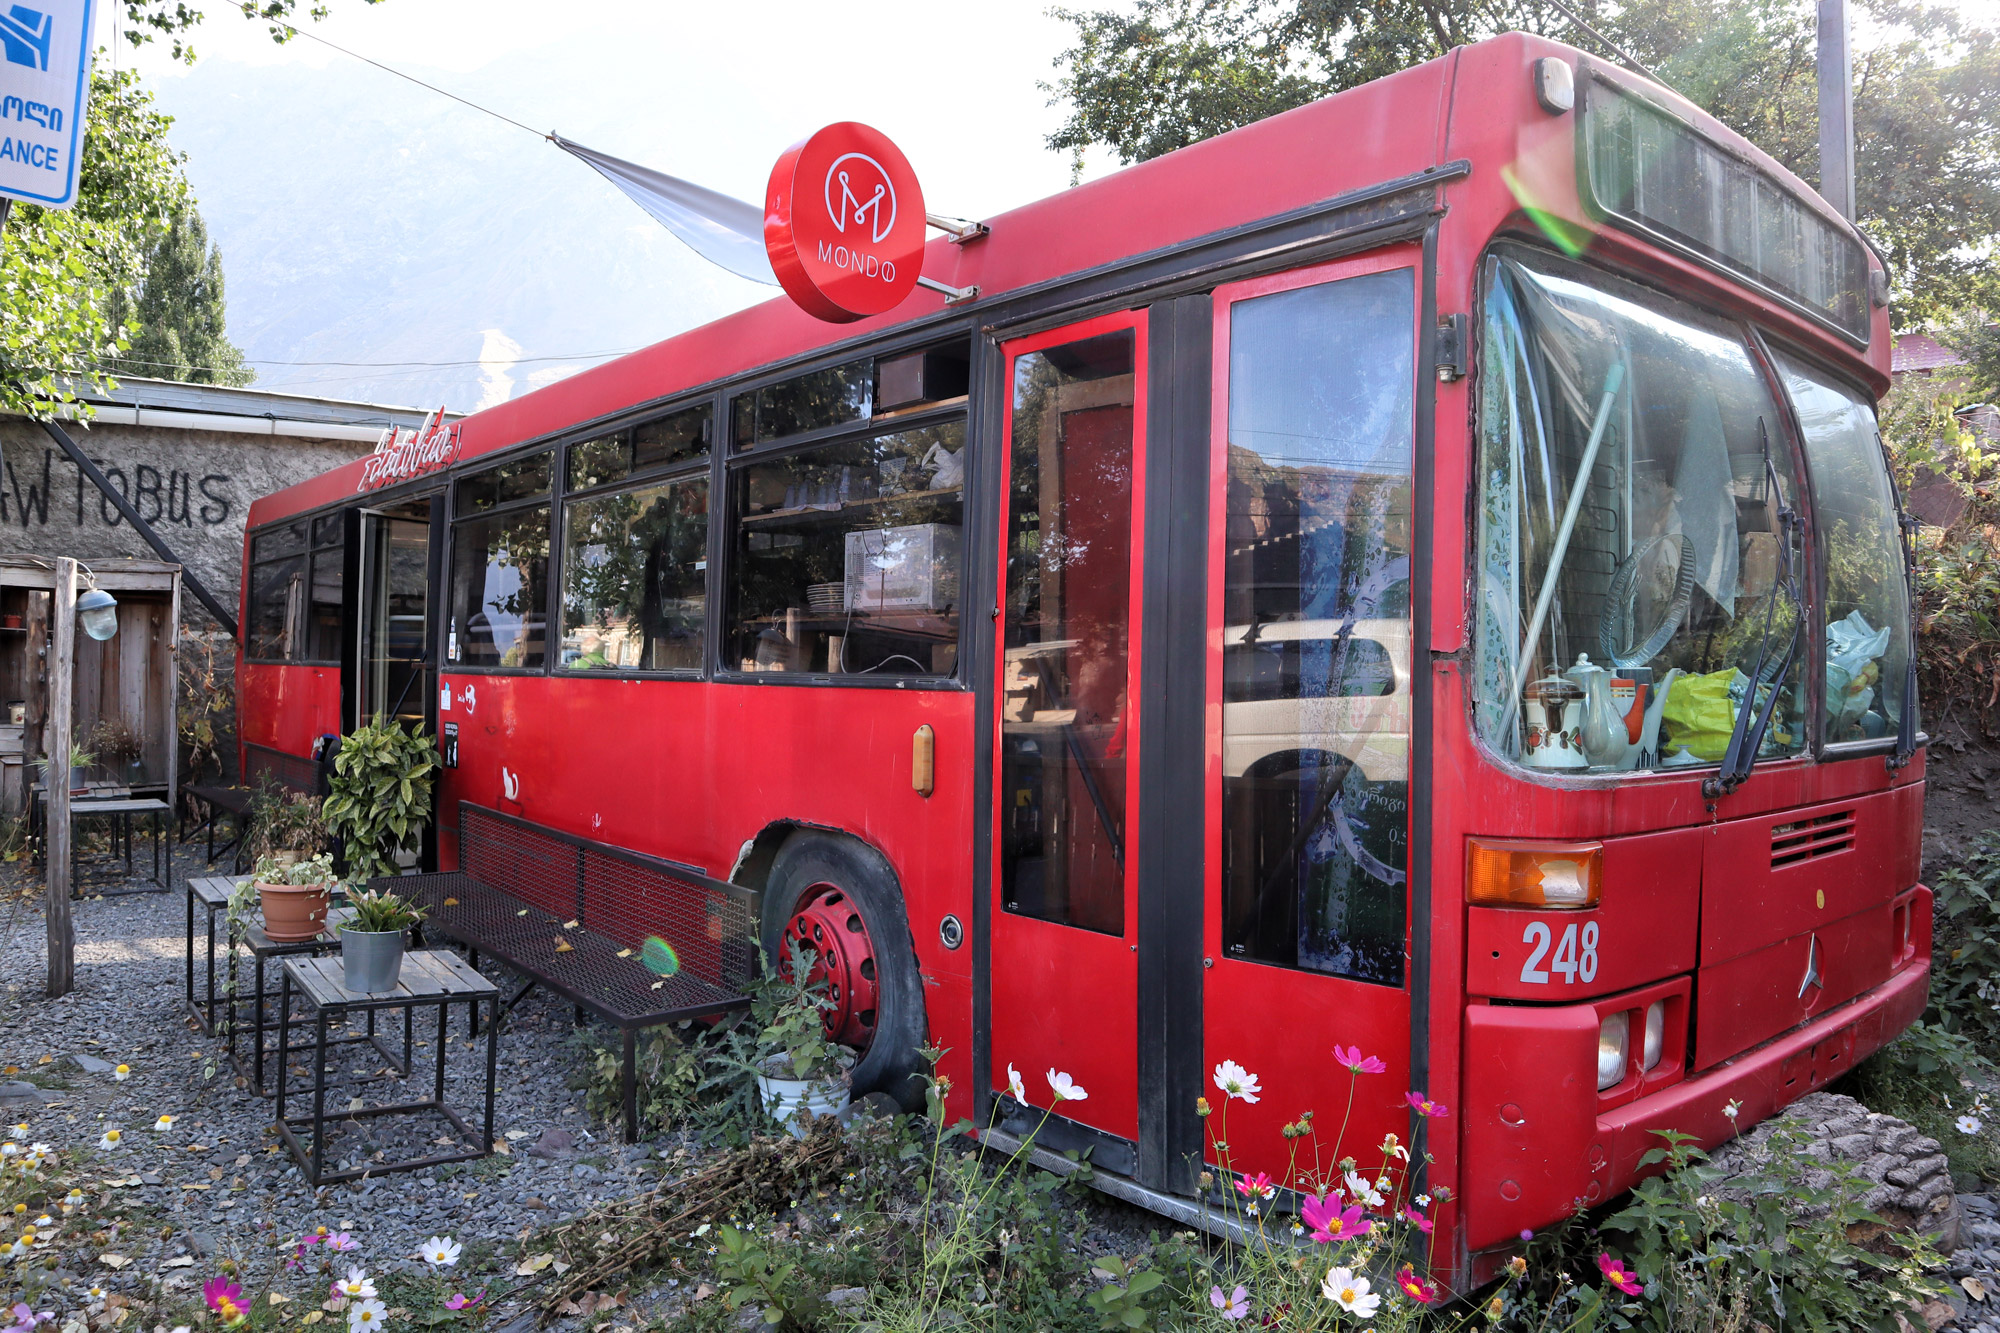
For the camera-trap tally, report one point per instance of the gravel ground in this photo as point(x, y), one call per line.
point(219, 1174)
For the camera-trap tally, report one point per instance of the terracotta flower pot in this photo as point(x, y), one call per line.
point(293, 912)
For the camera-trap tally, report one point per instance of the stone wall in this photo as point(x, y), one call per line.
point(194, 487)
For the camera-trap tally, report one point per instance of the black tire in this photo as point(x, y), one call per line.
point(893, 1062)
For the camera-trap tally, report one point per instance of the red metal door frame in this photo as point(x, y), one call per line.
point(1063, 998)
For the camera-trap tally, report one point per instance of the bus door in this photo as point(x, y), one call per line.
point(393, 669)
point(1063, 937)
point(1307, 922)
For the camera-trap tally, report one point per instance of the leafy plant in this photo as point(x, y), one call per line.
point(276, 869)
point(790, 1012)
point(207, 698)
point(754, 1274)
point(1122, 1302)
point(1762, 1247)
point(1932, 1076)
point(380, 911)
point(284, 820)
point(1965, 944)
point(668, 1070)
point(381, 794)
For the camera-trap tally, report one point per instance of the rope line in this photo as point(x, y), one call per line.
point(442, 92)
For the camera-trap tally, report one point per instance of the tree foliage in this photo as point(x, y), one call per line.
point(1167, 73)
point(59, 268)
point(177, 318)
point(176, 20)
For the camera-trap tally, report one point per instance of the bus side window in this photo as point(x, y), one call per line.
point(1316, 628)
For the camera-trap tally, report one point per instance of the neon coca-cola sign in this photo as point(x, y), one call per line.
point(405, 453)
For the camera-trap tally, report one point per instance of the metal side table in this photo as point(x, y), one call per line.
point(251, 1014)
point(430, 978)
point(211, 893)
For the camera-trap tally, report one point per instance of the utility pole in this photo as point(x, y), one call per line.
point(61, 671)
point(1836, 108)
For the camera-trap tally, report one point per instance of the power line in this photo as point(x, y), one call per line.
point(314, 37)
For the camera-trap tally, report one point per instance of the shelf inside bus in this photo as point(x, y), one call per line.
point(814, 513)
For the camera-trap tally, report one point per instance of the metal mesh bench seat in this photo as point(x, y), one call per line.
point(573, 916)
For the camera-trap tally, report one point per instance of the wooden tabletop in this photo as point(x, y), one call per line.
point(214, 890)
point(118, 805)
point(427, 974)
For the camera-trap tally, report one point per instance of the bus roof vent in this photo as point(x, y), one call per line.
point(1811, 838)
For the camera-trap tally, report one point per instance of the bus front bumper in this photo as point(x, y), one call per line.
point(1537, 1143)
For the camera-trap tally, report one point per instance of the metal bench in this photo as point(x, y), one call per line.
point(572, 916)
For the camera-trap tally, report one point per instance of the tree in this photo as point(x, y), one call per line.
point(1171, 72)
point(177, 318)
point(59, 268)
point(176, 19)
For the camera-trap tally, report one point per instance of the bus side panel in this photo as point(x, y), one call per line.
point(693, 771)
point(286, 707)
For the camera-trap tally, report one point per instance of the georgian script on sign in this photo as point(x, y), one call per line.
point(403, 454)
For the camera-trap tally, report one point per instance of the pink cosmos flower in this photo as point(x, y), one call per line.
point(1417, 1220)
point(1358, 1063)
point(1418, 1290)
point(342, 1243)
point(26, 1318)
point(1619, 1276)
point(1259, 1186)
point(1233, 1306)
point(1425, 1106)
point(460, 1301)
point(226, 1299)
point(1331, 1223)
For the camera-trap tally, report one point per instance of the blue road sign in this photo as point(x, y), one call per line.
point(44, 90)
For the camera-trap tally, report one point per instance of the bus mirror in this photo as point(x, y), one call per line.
point(1505, 872)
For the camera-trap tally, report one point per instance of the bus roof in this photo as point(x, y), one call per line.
point(1391, 128)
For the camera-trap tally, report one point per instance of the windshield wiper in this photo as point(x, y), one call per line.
point(1746, 739)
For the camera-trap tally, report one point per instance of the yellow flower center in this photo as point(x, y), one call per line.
point(1347, 1296)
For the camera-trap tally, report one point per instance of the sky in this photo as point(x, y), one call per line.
point(713, 92)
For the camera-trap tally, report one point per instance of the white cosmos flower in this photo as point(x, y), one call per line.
point(366, 1316)
point(1349, 1291)
point(1065, 1088)
point(440, 1251)
point(122, 1073)
point(357, 1285)
point(1015, 1088)
point(1361, 1191)
point(1968, 1124)
point(110, 1139)
point(1237, 1081)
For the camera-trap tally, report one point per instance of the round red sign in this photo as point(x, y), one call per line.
point(844, 223)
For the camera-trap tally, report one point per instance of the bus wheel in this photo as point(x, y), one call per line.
point(840, 898)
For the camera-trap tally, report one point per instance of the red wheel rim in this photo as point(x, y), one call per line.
point(828, 923)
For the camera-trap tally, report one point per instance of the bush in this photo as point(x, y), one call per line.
point(381, 795)
point(1965, 945)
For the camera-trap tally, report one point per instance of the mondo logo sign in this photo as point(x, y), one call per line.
point(844, 223)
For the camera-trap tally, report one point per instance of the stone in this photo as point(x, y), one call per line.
point(90, 1064)
point(1852, 1146)
point(553, 1143)
point(841, 1296)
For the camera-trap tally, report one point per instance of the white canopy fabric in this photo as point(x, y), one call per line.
point(725, 231)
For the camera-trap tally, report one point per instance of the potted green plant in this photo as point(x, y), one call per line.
point(801, 1071)
point(371, 940)
point(295, 894)
point(80, 760)
point(380, 795)
point(285, 824)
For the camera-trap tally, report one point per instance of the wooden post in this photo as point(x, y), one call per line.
point(56, 846)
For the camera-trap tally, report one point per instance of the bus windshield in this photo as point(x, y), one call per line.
point(1637, 558)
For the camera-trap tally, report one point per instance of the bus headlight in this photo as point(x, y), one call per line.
point(1613, 1036)
point(1656, 1032)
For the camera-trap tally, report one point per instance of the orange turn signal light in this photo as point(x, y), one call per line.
point(1506, 872)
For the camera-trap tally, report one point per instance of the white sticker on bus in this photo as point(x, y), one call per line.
point(1575, 956)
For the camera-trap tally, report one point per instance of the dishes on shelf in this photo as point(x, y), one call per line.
point(826, 597)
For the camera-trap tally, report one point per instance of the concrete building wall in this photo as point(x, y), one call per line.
point(194, 487)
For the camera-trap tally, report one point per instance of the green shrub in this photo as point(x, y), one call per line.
point(1965, 945)
point(381, 795)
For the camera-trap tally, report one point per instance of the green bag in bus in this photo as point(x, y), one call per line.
point(1699, 714)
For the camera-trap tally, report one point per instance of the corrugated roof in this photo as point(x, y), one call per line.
point(1917, 351)
point(224, 401)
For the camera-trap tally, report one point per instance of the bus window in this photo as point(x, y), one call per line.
point(1636, 481)
point(500, 567)
point(1316, 630)
point(635, 578)
point(676, 438)
point(278, 595)
point(820, 398)
point(847, 556)
point(1867, 614)
point(323, 617)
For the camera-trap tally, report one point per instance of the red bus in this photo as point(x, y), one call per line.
point(1417, 573)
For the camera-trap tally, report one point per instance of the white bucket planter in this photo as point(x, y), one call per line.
point(789, 1100)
